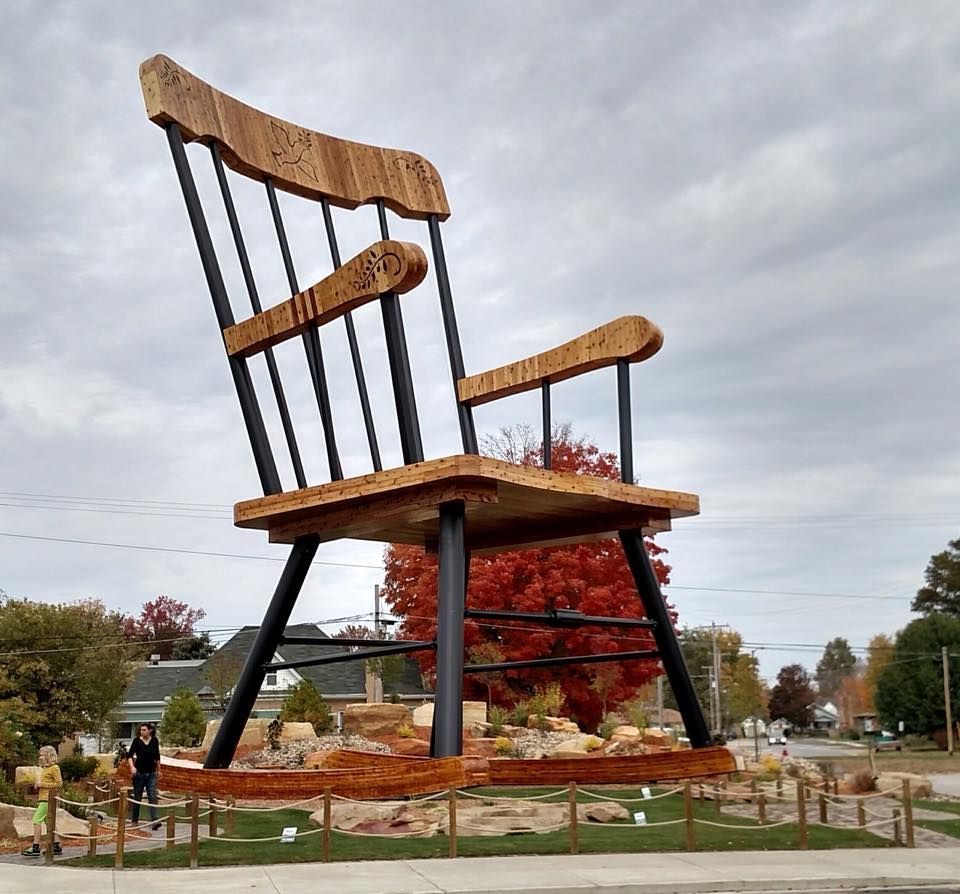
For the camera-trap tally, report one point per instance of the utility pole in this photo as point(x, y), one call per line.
point(946, 697)
point(716, 676)
point(376, 612)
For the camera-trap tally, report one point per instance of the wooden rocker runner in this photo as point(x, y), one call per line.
point(455, 505)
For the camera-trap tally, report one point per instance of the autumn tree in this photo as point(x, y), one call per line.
point(792, 697)
point(63, 668)
point(487, 652)
point(942, 592)
point(388, 669)
point(161, 624)
point(604, 679)
point(879, 653)
point(591, 577)
point(852, 698)
point(910, 687)
point(221, 673)
point(743, 691)
point(838, 661)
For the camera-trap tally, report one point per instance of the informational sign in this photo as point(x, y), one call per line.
point(900, 726)
point(646, 791)
point(640, 818)
point(288, 835)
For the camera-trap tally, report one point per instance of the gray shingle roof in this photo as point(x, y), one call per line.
point(153, 683)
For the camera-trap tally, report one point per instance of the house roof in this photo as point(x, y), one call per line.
point(155, 682)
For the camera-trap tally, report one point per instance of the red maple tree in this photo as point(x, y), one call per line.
point(592, 577)
point(162, 622)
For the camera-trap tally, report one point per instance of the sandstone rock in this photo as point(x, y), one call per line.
point(293, 731)
point(657, 737)
point(26, 776)
point(512, 732)
point(254, 733)
point(625, 733)
point(920, 786)
point(473, 712)
point(411, 747)
point(627, 746)
point(346, 815)
point(478, 819)
point(603, 812)
point(376, 719)
point(8, 829)
point(315, 760)
point(67, 824)
point(575, 747)
point(552, 724)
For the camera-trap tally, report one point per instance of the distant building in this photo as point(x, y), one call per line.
point(826, 717)
point(748, 730)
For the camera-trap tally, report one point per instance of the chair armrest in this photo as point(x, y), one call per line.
point(626, 338)
point(386, 266)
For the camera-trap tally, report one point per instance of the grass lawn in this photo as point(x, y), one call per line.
point(606, 838)
point(948, 827)
point(922, 762)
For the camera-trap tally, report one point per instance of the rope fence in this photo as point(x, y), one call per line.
point(213, 810)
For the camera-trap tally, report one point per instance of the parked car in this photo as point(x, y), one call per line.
point(887, 742)
point(777, 740)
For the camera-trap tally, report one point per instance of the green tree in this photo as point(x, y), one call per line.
point(745, 693)
point(63, 668)
point(193, 648)
point(910, 687)
point(304, 704)
point(879, 653)
point(838, 661)
point(183, 721)
point(792, 697)
point(942, 592)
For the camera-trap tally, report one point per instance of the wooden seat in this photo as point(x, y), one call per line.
point(506, 506)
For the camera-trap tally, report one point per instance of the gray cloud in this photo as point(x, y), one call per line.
point(772, 184)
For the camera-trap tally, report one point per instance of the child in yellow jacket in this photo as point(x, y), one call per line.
point(49, 780)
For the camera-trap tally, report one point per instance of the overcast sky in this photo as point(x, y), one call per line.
point(775, 185)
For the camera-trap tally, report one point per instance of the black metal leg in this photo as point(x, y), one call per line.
point(261, 652)
point(446, 740)
point(666, 638)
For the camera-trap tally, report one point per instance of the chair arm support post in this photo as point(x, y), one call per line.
point(625, 420)
point(547, 425)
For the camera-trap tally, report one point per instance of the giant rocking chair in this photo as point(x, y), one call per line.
point(455, 505)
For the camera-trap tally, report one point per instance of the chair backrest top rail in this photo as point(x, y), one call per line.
point(298, 160)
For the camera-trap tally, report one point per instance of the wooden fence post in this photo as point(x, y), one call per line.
point(212, 821)
point(717, 794)
point(574, 836)
point(121, 827)
point(822, 804)
point(51, 823)
point(327, 824)
point(861, 813)
point(702, 796)
point(171, 826)
point(761, 808)
point(452, 820)
point(92, 843)
point(802, 815)
point(688, 815)
point(908, 812)
point(897, 833)
point(779, 786)
point(194, 830)
point(231, 817)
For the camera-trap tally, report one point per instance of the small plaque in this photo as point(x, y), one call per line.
point(646, 792)
point(288, 835)
point(640, 818)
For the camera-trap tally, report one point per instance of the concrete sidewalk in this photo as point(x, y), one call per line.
point(683, 873)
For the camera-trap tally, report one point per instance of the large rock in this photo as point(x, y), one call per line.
point(657, 737)
point(378, 719)
point(254, 733)
point(575, 747)
point(625, 733)
point(603, 812)
point(293, 731)
point(920, 786)
point(473, 713)
point(347, 814)
point(8, 829)
point(552, 724)
point(67, 824)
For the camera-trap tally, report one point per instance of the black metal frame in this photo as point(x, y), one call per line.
point(453, 558)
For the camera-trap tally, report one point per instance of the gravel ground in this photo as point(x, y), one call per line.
point(292, 754)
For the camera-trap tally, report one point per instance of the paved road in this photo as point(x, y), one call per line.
point(806, 748)
point(695, 873)
point(945, 783)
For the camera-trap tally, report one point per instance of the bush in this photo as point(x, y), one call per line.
point(120, 755)
point(274, 731)
point(919, 743)
point(853, 735)
point(9, 795)
point(77, 767)
point(498, 719)
point(75, 793)
point(304, 704)
point(636, 714)
point(405, 731)
point(609, 724)
point(520, 713)
point(864, 781)
point(503, 747)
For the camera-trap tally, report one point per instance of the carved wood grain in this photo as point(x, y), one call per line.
point(298, 160)
point(631, 338)
point(387, 266)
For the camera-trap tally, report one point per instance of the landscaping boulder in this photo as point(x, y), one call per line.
point(920, 786)
point(254, 733)
point(603, 812)
point(347, 814)
point(377, 719)
point(552, 724)
point(575, 747)
point(8, 829)
point(625, 733)
point(473, 713)
point(67, 824)
point(293, 731)
point(657, 737)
